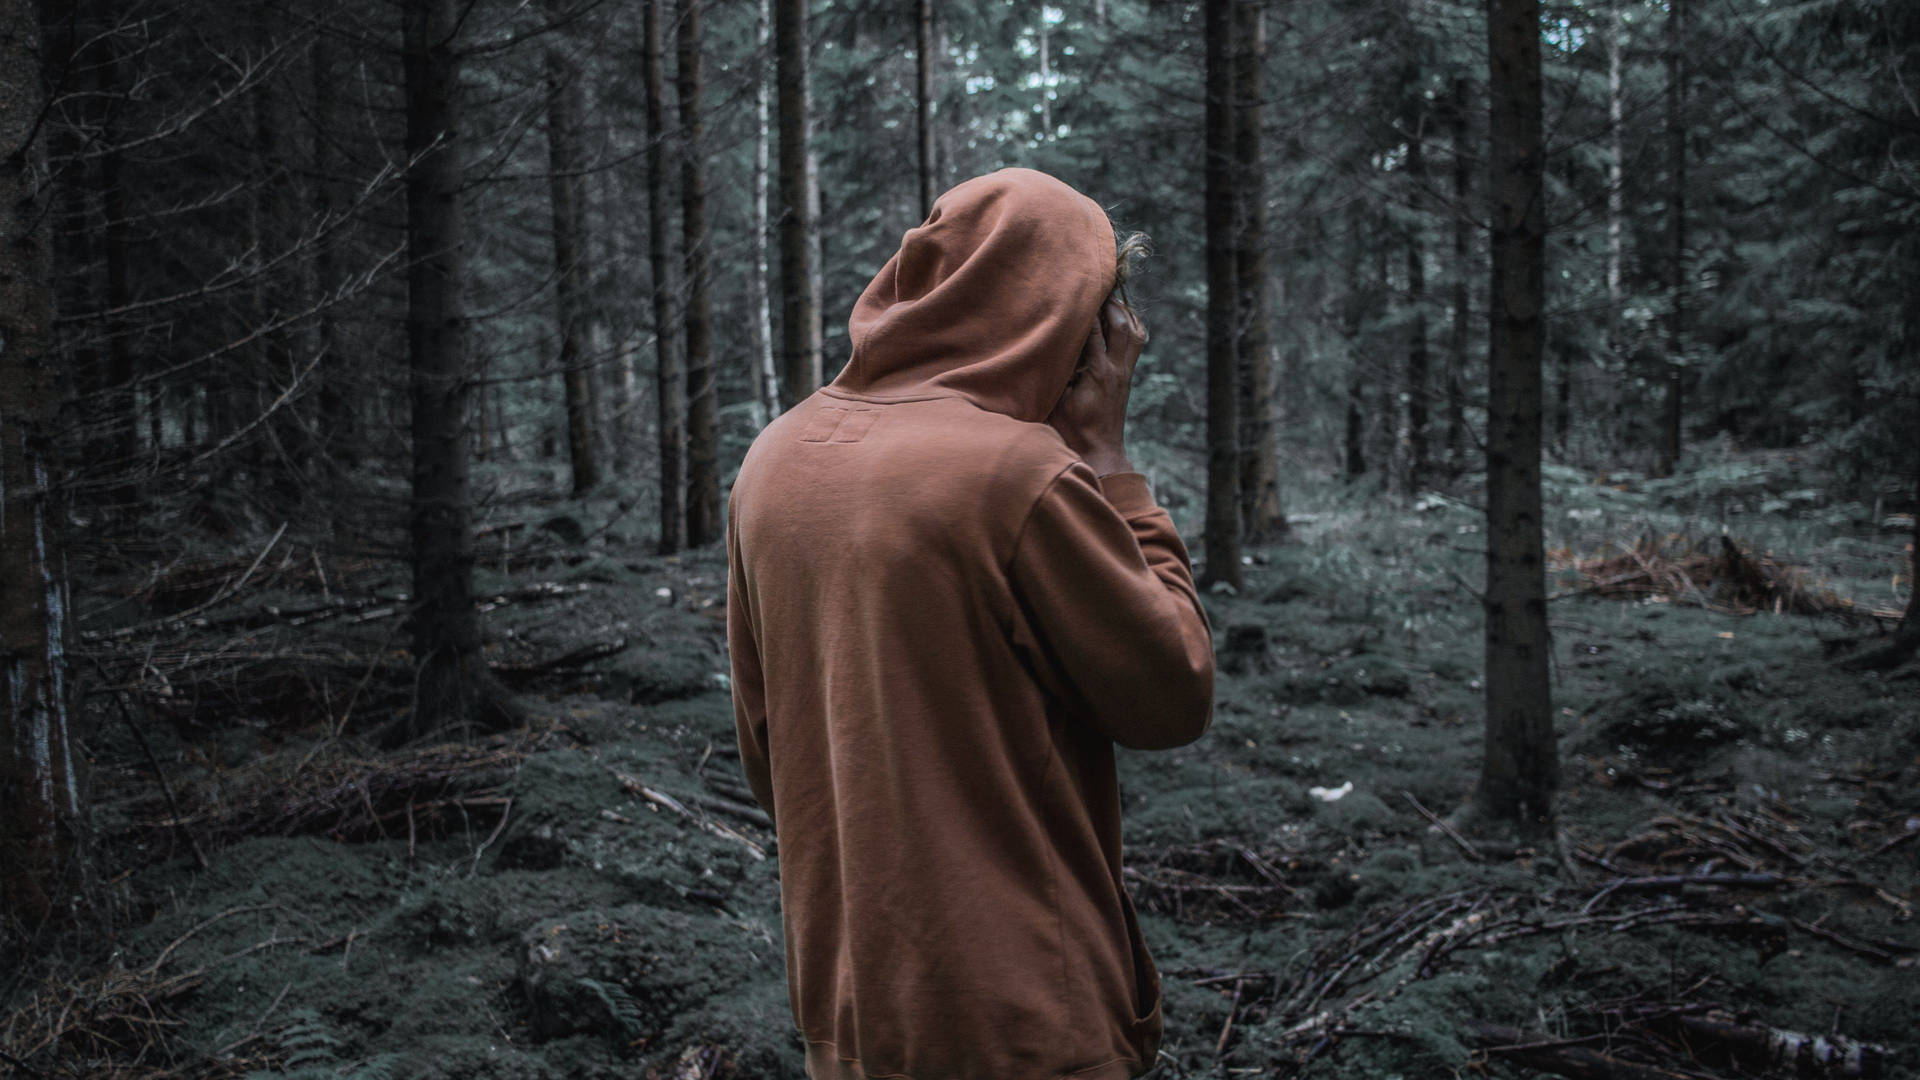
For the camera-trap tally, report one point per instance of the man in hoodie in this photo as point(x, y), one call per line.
point(949, 596)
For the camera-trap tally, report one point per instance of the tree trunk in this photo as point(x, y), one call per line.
point(1616, 198)
point(455, 687)
point(670, 393)
point(1670, 443)
point(1355, 459)
point(119, 261)
point(1563, 373)
point(1520, 768)
point(1046, 80)
point(703, 476)
point(1222, 529)
point(42, 861)
point(1907, 637)
point(954, 115)
point(1262, 519)
point(1910, 621)
point(338, 438)
point(799, 246)
point(923, 52)
point(1462, 295)
point(610, 253)
point(283, 455)
point(566, 193)
point(71, 258)
point(766, 381)
point(1356, 301)
point(1417, 361)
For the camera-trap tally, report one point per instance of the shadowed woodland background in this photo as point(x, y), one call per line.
point(1535, 382)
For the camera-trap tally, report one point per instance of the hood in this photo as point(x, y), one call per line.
point(990, 298)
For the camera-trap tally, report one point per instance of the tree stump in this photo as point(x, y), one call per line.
point(1247, 650)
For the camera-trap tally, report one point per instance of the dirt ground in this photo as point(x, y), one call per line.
point(590, 898)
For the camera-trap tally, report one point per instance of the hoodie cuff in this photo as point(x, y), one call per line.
point(1128, 492)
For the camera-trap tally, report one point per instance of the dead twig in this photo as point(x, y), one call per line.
point(1451, 833)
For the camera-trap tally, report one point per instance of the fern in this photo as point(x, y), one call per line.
point(311, 1051)
point(620, 1007)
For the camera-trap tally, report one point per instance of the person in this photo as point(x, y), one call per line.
point(949, 597)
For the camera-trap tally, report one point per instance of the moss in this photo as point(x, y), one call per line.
point(1378, 653)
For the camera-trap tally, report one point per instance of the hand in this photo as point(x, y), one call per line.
point(1091, 414)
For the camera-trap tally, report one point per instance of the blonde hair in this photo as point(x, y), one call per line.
point(1130, 250)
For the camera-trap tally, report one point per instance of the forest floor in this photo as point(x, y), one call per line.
point(591, 898)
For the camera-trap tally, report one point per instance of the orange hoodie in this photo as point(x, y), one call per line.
point(941, 622)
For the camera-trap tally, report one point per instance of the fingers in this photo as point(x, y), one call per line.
point(1121, 317)
point(1095, 348)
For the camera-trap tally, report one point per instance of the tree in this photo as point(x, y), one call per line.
point(923, 95)
point(42, 865)
point(456, 688)
point(1459, 118)
point(800, 328)
point(568, 197)
point(1616, 178)
point(669, 381)
point(1670, 434)
point(1417, 358)
point(1908, 636)
point(703, 475)
point(765, 374)
point(1520, 767)
point(1222, 529)
point(1262, 519)
point(339, 419)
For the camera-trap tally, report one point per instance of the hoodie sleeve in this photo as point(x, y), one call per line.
point(749, 684)
point(1107, 611)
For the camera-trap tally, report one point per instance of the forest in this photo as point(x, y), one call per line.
point(1536, 384)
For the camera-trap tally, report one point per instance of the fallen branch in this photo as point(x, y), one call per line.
point(1451, 833)
point(660, 798)
point(1566, 1058)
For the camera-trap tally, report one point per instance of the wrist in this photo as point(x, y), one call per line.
point(1106, 463)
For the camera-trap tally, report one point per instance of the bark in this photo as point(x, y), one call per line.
point(455, 687)
point(670, 392)
point(766, 375)
point(281, 452)
point(616, 420)
point(1670, 441)
point(117, 248)
point(607, 250)
point(1389, 448)
point(1356, 430)
point(1907, 637)
point(621, 387)
point(1562, 398)
point(703, 476)
point(1355, 457)
point(1462, 296)
point(42, 863)
point(1910, 621)
point(923, 93)
point(800, 329)
point(1417, 358)
point(567, 196)
point(1222, 528)
point(338, 424)
point(945, 152)
point(1616, 189)
point(1262, 519)
point(73, 253)
point(1046, 80)
point(1519, 771)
